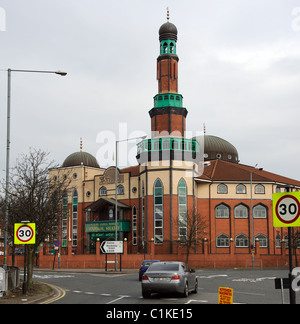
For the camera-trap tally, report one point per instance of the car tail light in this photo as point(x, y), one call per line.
point(145, 278)
point(177, 277)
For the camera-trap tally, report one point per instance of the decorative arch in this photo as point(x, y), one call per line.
point(241, 211)
point(222, 211)
point(223, 240)
point(260, 211)
point(242, 240)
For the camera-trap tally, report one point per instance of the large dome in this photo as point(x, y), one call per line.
point(79, 159)
point(218, 148)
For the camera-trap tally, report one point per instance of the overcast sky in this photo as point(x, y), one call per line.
point(239, 73)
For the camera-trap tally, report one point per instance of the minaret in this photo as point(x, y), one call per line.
point(168, 115)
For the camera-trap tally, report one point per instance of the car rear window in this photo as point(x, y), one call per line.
point(147, 263)
point(164, 267)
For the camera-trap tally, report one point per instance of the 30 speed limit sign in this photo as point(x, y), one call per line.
point(24, 233)
point(286, 209)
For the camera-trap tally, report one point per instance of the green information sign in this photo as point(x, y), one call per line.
point(104, 228)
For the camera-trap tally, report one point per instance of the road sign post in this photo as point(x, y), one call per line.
point(24, 233)
point(286, 213)
point(112, 247)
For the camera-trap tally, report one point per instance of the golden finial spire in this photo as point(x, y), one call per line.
point(80, 144)
point(168, 14)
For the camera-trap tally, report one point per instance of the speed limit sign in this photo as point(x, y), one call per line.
point(286, 209)
point(24, 233)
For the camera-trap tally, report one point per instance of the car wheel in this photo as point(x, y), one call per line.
point(186, 290)
point(196, 287)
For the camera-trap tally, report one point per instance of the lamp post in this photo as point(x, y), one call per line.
point(116, 195)
point(8, 150)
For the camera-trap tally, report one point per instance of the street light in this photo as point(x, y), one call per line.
point(8, 149)
point(116, 196)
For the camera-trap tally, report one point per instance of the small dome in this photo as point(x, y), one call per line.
point(168, 31)
point(80, 158)
point(216, 148)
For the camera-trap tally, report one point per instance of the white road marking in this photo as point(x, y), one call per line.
point(196, 300)
point(121, 297)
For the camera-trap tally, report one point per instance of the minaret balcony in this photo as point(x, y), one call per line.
point(168, 100)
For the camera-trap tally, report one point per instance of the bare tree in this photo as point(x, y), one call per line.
point(191, 229)
point(35, 198)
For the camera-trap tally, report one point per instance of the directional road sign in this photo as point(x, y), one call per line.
point(286, 209)
point(24, 233)
point(112, 247)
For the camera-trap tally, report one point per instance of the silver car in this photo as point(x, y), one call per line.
point(169, 277)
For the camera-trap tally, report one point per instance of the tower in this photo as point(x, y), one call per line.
point(168, 116)
point(168, 160)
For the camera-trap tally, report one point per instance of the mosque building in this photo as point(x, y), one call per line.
point(174, 176)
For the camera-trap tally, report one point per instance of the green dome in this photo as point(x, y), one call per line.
point(80, 158)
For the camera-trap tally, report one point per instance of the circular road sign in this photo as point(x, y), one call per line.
point(287, 209)
point(24, 233)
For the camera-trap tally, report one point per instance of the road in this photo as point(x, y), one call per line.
point(250, 287)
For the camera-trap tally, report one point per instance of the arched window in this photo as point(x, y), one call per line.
point(259, 189)
point(74, 217)
point(64, 230)
point(120, 190)
point(223, 240)
point(182, 210)
point(240, 211)
point(165, 48)
point(242, 241)
point(241, 189)
point(158, 212)
point(171, 48)
point(259, 211)
point(134, 226)
point(166, 145)
point(263, 240)
point(143, 212)
point(222, 211)
point(103, 191)
point(222, 189)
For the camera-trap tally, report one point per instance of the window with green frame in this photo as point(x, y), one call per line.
point(182, 210)
point(74, 217)
point(158, 212)
point(64, 230)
